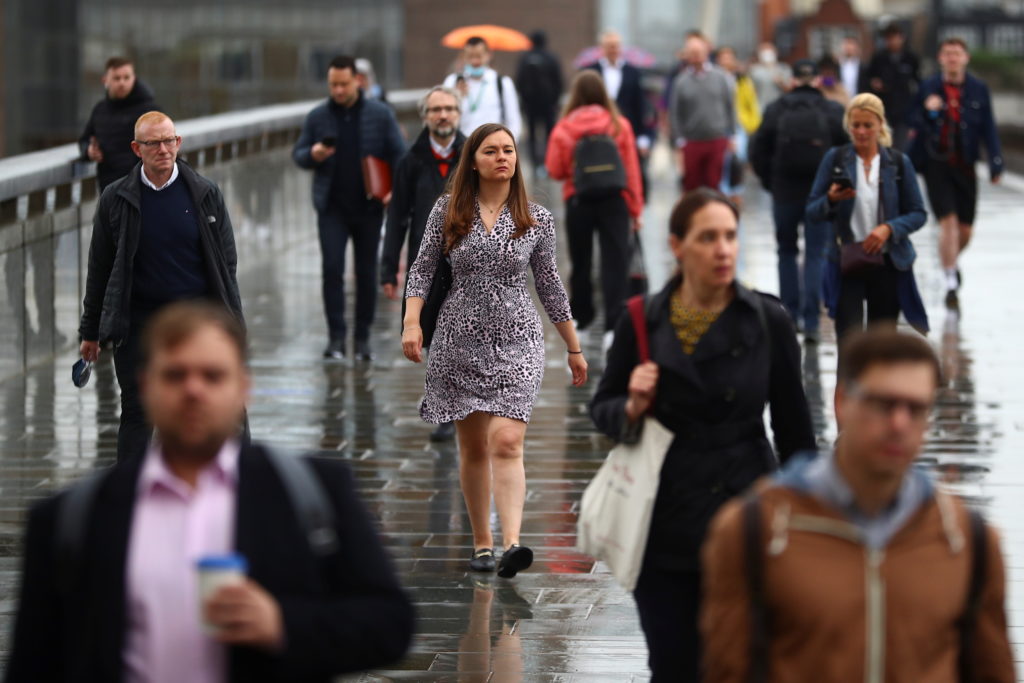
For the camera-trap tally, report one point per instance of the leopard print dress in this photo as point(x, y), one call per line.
point(488, 350)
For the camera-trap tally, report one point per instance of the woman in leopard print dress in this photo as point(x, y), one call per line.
point(487, 356)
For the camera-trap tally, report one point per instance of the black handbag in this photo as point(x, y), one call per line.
point(439, 288)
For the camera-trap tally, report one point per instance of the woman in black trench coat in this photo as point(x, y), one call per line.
point(719, 353)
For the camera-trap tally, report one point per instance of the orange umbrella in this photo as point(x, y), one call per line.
point(497, 37)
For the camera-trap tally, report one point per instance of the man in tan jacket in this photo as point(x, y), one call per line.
point(862, 569)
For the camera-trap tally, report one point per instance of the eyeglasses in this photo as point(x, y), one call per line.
point(439, 110)
point(885, 406)
point(155, 144)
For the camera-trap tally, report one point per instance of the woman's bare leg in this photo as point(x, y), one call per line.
point(475, 475)
point(505, 445)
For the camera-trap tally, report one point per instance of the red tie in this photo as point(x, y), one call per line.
point(442, 161)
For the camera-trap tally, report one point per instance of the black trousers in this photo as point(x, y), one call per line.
point(336, 227)
point(669, 606)
point(135, 430)
point(609, 218)
point(878, 289)
point(539, 122)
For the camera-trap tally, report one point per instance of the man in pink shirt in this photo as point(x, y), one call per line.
point(125, 606)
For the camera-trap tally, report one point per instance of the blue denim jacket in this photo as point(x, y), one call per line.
point(977, 124)
point(902, 205)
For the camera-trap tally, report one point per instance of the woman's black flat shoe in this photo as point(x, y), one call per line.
point(482, 560)
point(514, 560)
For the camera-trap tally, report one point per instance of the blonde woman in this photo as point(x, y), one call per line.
point(868, 192)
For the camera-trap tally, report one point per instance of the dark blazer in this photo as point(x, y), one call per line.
point(106, 308)
point(630, 100)
point(713, 401)
point(977, 125)
point(418, 184)
point(112, 123)
point(379, 136)
point(341, 614)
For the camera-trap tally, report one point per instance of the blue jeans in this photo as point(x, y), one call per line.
point(803, 306)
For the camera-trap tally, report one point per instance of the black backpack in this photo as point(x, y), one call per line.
point(802, 136)
point(599, 171)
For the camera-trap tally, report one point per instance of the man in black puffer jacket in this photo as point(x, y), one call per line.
point(108, 135)
point(161, 234)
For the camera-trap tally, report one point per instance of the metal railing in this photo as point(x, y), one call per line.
point(47, 199)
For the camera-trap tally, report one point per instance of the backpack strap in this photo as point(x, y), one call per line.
point(309, 500)
point(969, 620)
point(763, 319)
point(501, 98)
point(754, 555)
point(638, 314)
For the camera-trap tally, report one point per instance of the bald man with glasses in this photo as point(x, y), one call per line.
point(160, 234)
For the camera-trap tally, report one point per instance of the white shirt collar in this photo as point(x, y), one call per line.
point(149, 183)
point(442, 151)
point(605, 64)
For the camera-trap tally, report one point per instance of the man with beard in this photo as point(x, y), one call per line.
point(108, 135)
point(419, 180)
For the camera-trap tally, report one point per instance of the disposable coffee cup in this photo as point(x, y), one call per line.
point(215, 572)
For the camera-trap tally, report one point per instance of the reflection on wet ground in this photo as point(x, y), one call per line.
point(565, 619)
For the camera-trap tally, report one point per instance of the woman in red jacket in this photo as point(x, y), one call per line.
point(611, 214)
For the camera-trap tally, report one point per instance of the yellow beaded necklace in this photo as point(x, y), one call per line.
point(690, 323)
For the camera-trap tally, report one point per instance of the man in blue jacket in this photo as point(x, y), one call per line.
point(951, 119)
point(335, 139)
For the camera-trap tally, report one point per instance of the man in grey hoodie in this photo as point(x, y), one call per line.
point(702, 113)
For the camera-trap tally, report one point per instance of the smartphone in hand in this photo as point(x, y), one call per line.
point(328, 141)
point(843, 182)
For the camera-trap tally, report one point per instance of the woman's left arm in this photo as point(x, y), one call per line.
point(790, 416)
point(552, 293)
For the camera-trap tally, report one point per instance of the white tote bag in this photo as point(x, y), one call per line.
point(615, 513)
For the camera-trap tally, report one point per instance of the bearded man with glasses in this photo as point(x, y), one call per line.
point(854, 565)
point(160, 234)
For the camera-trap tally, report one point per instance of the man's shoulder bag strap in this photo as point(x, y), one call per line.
point(969, 620)
point(754, 551)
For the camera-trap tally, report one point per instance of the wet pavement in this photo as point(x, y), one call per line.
point(565, 619)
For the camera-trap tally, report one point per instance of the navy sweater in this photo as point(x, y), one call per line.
point(169, 260)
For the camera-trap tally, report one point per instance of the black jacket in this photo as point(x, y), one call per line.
point(631, 100)
point(539, 80)
point(112, 122)
point(341, 614)
point(379, 136)
point(785, 186)
point(106, 310)
point(900, 77)
point(417, 185)
point(714, 403)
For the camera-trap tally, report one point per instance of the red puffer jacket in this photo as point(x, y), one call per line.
point(594, 119)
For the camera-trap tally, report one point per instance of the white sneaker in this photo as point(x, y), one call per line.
point(606, 341)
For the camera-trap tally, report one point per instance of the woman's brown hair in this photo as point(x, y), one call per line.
point(687, 207)
point(464, 186)
point(588, 88)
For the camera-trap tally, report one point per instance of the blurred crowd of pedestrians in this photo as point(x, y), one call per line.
point(748, 572)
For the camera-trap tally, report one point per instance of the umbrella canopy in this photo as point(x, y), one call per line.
point(637, 56)
point(497, 37)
